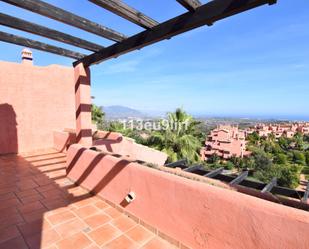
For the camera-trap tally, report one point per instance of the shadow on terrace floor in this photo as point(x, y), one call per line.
point(41, 208)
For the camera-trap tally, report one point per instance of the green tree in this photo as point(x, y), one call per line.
point(97, 115)
point(177, 138)
point(266, 175)
point(287, 175)
point(299, 157)
point(116, 126)
point(237, 161)
point(249, 162)
point(228, 165)
point(284, 143)
point(262, 160)
point(281, 159)
point(299, 141)
point(307, 157)
point(271, 137)
point(268, 146)
point(253, 138)
point(213, 159)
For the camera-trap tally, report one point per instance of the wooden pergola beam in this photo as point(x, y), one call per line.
point(193, 168)
point(190, 5)
point(121, 9)
point(179, 163)
point(270, 185)
point(18, 40)
point(239, 178)
point(214, 172)
point(207, 14)
point(36, 29)
point(306, 194)
point(48, 10)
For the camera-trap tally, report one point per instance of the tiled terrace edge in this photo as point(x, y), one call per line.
point(197, 214)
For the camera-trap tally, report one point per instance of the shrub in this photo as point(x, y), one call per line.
point(299, 157)
point(281, 159)
point(287, 175)
point(229, 165)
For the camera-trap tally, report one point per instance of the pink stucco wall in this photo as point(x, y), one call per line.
point(83, 105)
point(34, 102)
point(115, 143)
point(63, 140)
point(197, 214)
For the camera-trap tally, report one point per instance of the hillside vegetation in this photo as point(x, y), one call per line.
point(283, 158)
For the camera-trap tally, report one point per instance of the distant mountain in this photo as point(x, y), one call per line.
point(118, 111)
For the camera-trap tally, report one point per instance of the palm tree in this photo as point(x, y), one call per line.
point(116, 126)
point(178, 137)
point(271, 137)
point(97, 115)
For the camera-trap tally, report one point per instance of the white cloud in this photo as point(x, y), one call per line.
point(123, 67)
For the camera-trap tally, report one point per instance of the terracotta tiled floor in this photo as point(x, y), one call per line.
point(41, 208)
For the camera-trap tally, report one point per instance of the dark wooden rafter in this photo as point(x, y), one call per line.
point(67, 17)
point(190, 5)
point(119, 8)
point(306, 194)
point(293, 193)
point(193, 168)
point(18, 40)
point(276, 190)
point(274, 193)
point(179, 163)
point(214, 172)
point(270, 186)
point(207, 14)
point(239, 178)
point(33, 28)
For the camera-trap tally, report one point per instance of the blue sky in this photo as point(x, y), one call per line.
point(252, 64)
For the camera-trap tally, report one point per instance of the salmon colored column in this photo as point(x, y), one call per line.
point(83, 105)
